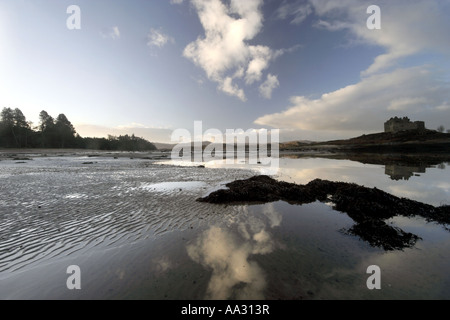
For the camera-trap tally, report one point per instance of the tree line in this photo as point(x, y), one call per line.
point(17, 132)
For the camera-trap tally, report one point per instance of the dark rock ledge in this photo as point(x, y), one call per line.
point(368, 207)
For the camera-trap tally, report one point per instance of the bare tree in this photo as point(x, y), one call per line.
point(440, 128)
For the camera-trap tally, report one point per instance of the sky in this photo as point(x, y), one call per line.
point(311, 68)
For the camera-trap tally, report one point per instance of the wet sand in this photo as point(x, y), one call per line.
point(133, 227)
point(64, 206)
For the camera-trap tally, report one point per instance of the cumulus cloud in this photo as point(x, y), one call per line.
point(407, 27)
point(224, 52)
point(156, 38)
point(364, 106)
point(228, 87)
point(268, 86)
point(110, 33)
point(259, 62)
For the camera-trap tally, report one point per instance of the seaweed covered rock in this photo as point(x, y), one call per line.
point(378, 234)
point(259, 189)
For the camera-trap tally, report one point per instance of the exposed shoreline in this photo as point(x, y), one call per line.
point(10, 154)
point(136, 219)
point(367, 207)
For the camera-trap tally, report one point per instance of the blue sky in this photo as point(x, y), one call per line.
point(310, 68)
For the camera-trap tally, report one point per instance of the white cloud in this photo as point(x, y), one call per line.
point(406, 103)
point(261, 56)
point(417, 92)
point(156, 38)
point(228, 87)
point(110, 33)
point(268, 86)
point(298, 11)
point(334, 26)
point(176, 1)
point(407, 27)
point(444, 107)
point(223, 52)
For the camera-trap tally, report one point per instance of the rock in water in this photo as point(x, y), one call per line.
point(368, 207)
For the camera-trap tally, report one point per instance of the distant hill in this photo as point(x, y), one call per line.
point(393, 137)
point(163, 146)
point(295, 144)
point(403, 141)
point(170, 146)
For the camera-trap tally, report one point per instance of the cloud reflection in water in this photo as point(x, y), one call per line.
point(226, 251)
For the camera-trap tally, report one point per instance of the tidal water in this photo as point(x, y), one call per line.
point(135, 231)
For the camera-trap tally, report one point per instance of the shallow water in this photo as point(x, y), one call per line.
point(136, 232)
point(425, 183)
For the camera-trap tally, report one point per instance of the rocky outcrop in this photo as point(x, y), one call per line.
point(368, 207)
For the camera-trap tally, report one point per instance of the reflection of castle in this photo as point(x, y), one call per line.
point(398, 172)
point(403, 124)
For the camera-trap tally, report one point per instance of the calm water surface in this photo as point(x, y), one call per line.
point(134, 229)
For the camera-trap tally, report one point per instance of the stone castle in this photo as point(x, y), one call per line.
point(403, 124)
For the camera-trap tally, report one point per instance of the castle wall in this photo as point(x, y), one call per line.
point(396, 125)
